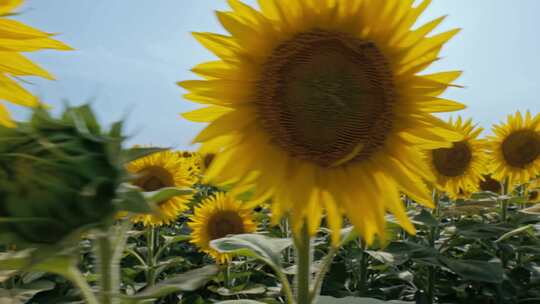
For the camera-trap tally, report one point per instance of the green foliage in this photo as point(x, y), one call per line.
point(62, 177)
point(56, 176)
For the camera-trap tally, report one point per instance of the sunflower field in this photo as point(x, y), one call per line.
point(323, 174)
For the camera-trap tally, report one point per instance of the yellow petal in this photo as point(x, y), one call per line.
point(15, 93)
point(30, 45)
point(206, 114)
point(17, 64)
point(5, 118)
point(7, 6)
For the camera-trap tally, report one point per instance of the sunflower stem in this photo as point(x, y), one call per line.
point(77, 278)
point(504, 202)
point(227, 275)
point(433, 236)
point(108, 270)
point(151, 245)
point(303, 253)
point(362, 284)
point(322, 273)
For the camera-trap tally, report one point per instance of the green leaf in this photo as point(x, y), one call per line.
point(131, 199)
point(387, 258)
point(84, 119)
point(165, 194)
point(188, 281)
point(348, 235)
point(240, 302)
point(479, 271)
point(532, 210)
point(15, 260)
point(256, 246)
point(425, 218)
point(527, 228)
point(421, 254)
point(132, 154)
point(352, 300)
point(24, 294)
point(37, 260)
point(250, 290)
point(476, 230)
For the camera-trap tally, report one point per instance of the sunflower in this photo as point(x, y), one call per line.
point(459, 168)
point(193, 162)
point(218, 216)
point(16, 37)
point(322, 106)
point(515, 149)
point(157, 171)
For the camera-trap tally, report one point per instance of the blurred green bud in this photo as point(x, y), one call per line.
point(57, 176)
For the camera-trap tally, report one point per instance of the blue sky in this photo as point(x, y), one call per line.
point(130, 54)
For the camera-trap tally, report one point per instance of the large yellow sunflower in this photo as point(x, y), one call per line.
point(158, 171)
point(16, 37)
point(322, 106)
point(515, 149)
point(217, 217)
point(459, 168)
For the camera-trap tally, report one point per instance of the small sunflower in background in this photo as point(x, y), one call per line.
point(459, 168)
point(157, 171)
point(216, 217)
point(193, 162)
point(16, 37)
point(328, 112)
point(515, 149)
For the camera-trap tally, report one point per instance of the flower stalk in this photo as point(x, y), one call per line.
point(302, 244)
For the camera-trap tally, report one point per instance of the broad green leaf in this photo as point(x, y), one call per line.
point(139, 152)
point(527, 228)
point(421, 254)
point(37, 260)
point(15, 260)
point(188, 281)
point(256, 246)
point(353, 300)
point(24, 294)
point(240, 302)
point(6, 274)
point(250, 290)
point(169, 240)
point(164, 194)
point(532, 210)
point(387, 258)
point(480, 271)
point(425, 218)
point(518, 200)
point(348, 235)
point(476, 230)
point(131, 199)
point(84, 119)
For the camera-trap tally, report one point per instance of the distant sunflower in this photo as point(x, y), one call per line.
point(217, 217)
point(16, 37)
point(320, 104)
point(515, 149)
point(158, 171)
point(459, 168)
point(193, 162)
